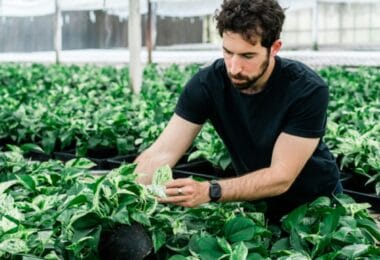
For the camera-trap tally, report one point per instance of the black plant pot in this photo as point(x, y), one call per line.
point(99, 157)
point(125, 242)
point(204, 167)
point(197, 166)
point(37, 156)
point(101, 153)
point(65, 156)
point(116, 161)
point(177, 173)
point(354, 186)
point(5, 141)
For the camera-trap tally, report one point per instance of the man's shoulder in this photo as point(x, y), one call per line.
point(213, 72)
point(299, 73)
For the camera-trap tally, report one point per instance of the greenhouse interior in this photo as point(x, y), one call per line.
point(159, 129)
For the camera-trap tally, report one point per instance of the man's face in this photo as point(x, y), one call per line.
point(247, 64)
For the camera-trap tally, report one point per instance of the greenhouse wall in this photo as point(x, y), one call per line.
point(90, 30)
point(339, 26)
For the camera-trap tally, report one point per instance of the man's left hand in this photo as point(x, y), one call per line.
point(186, 192)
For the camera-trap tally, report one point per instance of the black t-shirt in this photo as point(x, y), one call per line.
point(294, 101)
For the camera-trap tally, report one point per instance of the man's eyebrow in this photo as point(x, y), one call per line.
point(243, 53)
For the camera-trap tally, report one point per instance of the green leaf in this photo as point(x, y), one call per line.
point(281, 245)
point(177, 257)
point(81, 163)
point(348, 235)
point(32, 257)
point(48, 142)
point(44, 236)
point(13, 246)
point(195, 155)
point(159, 239)
point(255, 256)
point(27, 181)
point(355, 208)
point(206, 247)
point(328, 256)
point(5, 185)
point(157, 190)
point(85, 221)
point(294, 255)
point(121, 216)
point(7, 224)
point(294, 218)
point(127, 169)
point(225, 162)
point(162, 175)
point(141, 217)
point(370, 226)
point(96, 188)
point(239, 229)
point(321, 202)
point(353, 251)
point(71, 201)
point(330, 222)
point(223, 243)
point(323, 243)
point(296, 241)
point(240, 251)
point(31, 147)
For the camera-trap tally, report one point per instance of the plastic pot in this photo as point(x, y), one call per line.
point(116, 161)
point(37, 156)
point(204, 167)
point(354, 186)
point(125, 242)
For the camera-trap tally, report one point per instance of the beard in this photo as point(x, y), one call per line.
point(248, 82)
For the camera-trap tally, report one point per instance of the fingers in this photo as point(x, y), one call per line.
point(186, 192)
point(178, 183)
point(179, 192)
point(174, 197)
point(170, 192)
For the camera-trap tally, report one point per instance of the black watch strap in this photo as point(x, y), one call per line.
point(215, 191)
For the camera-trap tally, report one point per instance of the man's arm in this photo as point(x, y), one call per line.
point(290, 155)
point(167, 149)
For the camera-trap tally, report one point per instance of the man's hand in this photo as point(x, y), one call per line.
point(186, 192)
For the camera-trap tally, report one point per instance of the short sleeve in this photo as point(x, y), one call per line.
point(307, 115)
point(192, 103)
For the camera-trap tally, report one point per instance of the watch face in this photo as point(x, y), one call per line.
point(215, 191)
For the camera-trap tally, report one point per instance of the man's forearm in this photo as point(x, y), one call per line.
point(256, 185)
point(144, 168)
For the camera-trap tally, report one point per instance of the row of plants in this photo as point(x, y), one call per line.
point(353, 132)
point(63, 107)
point(88, 108)
point(52, 210)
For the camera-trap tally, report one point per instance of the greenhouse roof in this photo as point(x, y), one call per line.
point(173, 8)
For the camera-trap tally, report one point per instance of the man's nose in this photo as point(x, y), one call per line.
point(236, 66)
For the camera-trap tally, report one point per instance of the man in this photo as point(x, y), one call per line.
point(269, 111)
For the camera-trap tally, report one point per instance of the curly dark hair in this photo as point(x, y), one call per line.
point(251, 18)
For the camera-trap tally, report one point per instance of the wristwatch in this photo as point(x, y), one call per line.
point(215, 190)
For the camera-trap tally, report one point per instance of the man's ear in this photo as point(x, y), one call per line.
point(276, 46)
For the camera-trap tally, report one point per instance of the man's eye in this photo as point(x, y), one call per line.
point(227, 52)
point(247, 56)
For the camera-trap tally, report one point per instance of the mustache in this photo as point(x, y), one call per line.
point(238, 76)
